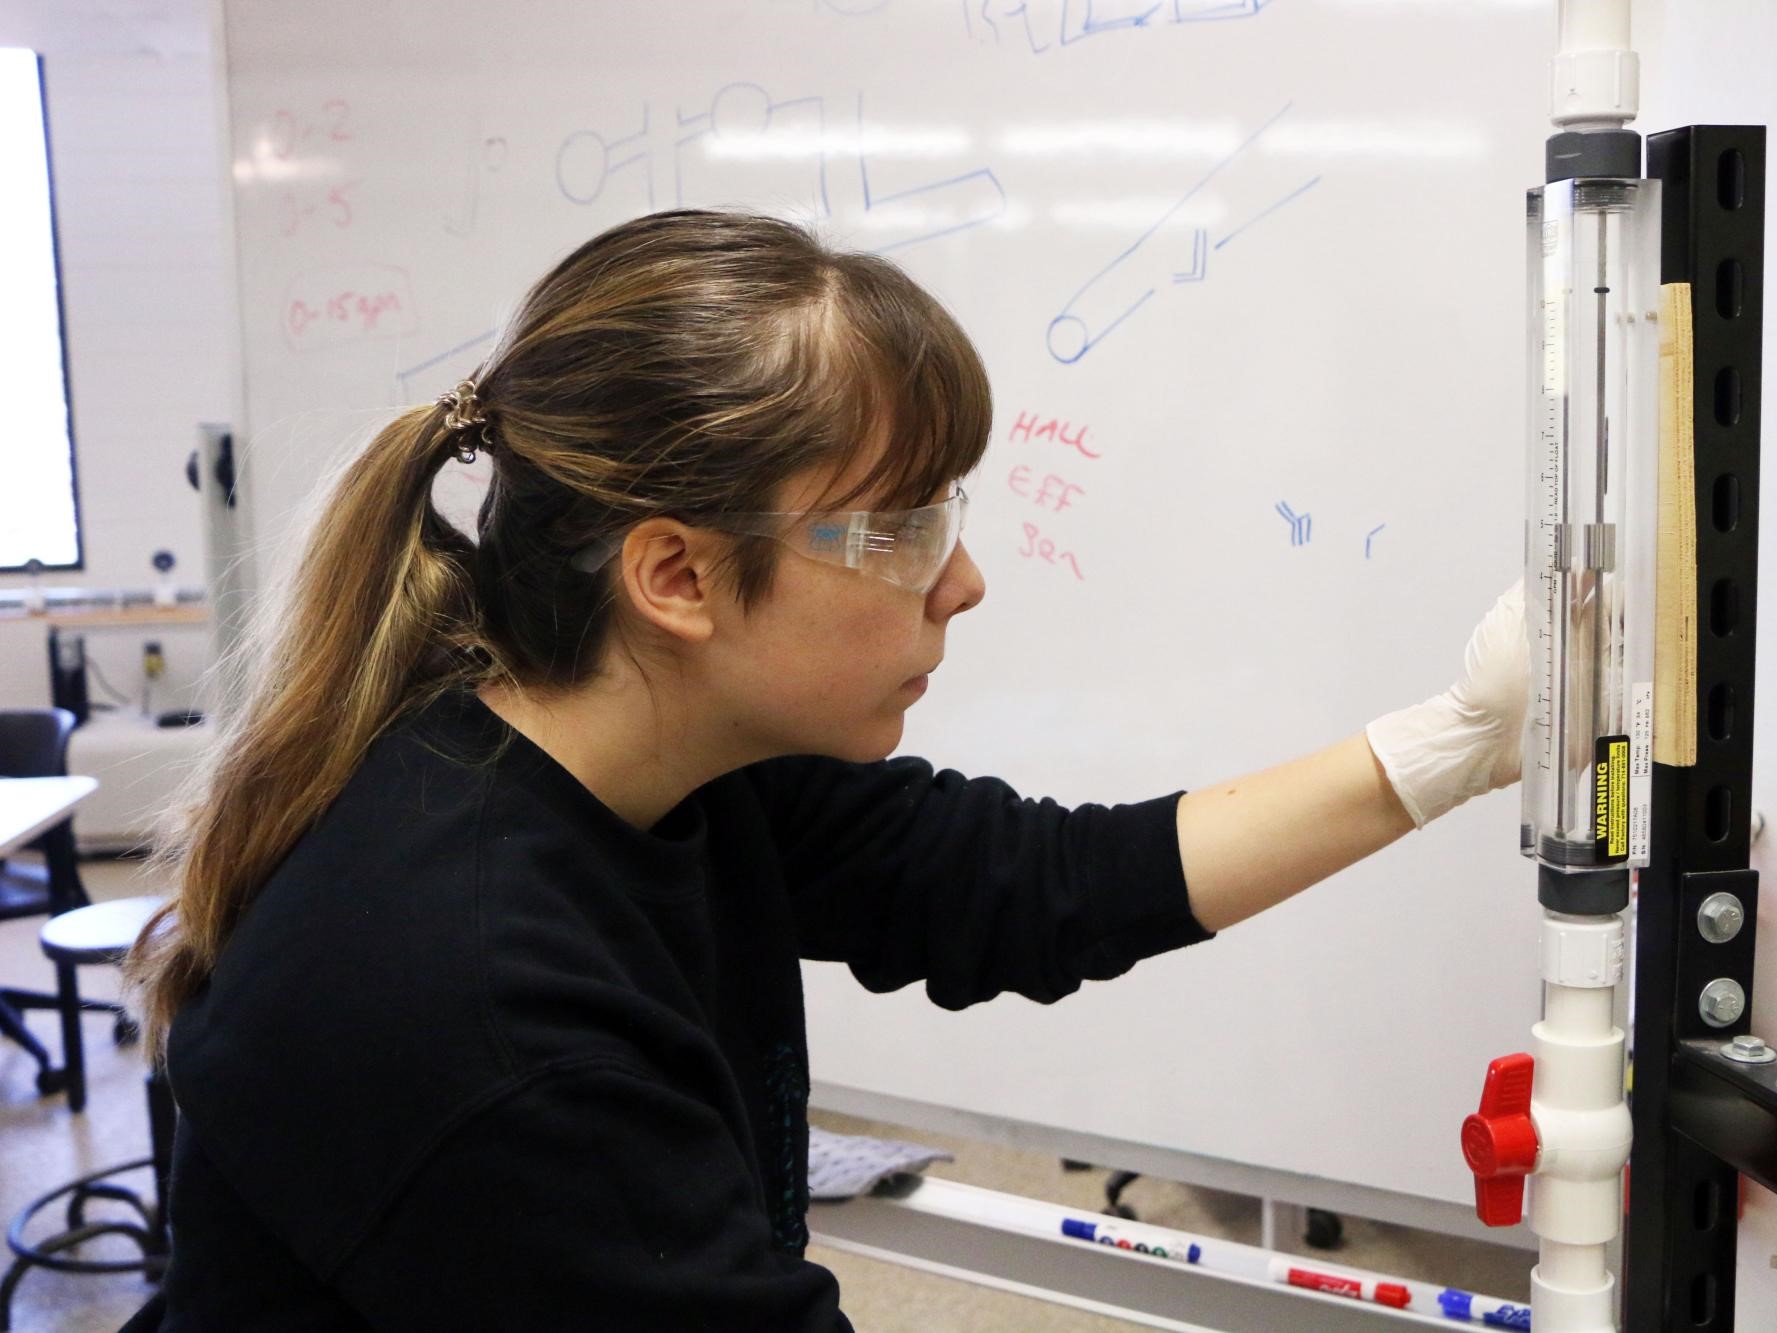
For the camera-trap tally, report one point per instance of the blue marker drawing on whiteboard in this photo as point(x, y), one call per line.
point(1048, 25)
point(1008, 11)
point(749, 144)
point(586, 159)
point(740, 124)
point(1268, 210)
point(1170, 251)
point(1370, 536)
point(404, 375)
point(938, 208)
point(1301, 525)
point(1092, 17)
point(1208, 11)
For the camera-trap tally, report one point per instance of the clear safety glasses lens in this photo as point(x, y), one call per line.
point(908, 547)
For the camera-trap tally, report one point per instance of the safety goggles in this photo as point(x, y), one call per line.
point(907, 547)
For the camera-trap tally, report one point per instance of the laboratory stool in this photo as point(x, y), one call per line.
point(101, 933)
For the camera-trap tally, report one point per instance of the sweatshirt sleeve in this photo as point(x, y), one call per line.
point(590, 1195)
point(910, 875)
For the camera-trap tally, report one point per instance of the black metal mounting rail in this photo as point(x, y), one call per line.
point(1700, 1118)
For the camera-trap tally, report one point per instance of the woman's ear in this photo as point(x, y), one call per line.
point(667, 571)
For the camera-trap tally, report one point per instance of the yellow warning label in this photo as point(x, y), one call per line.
point(1610, 797)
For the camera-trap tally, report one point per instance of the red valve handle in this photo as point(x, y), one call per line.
point(1499, 1141)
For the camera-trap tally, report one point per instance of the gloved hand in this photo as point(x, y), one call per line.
point(1469, 739)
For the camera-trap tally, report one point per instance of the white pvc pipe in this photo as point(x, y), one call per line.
point(1584, 1301)
point(1582, 1125)
point(1580, 1013)
point(1594, 79)
point(1574, 1266)
point(1591, 25)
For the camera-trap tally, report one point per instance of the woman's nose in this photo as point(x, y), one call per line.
point(959, 588)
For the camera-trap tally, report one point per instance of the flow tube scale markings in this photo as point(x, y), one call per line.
point(1551, 533)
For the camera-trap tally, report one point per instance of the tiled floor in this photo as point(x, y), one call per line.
point(42, 1144)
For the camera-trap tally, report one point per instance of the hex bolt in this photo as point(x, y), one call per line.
point(1748, 1051)
point(1722, 1002)
point(1720, 917)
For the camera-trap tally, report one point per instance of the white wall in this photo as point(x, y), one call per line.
point(150, 333)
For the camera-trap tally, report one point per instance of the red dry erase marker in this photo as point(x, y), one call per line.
point(1342, 1284)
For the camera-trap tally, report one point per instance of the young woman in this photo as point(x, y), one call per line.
point(480, 993)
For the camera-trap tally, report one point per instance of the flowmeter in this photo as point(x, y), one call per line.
point(1590, 535)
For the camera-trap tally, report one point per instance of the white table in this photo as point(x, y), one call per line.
point(28, 806)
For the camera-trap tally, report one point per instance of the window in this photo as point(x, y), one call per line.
point(39, 513)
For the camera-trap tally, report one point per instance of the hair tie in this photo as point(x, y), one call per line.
point(466, 414)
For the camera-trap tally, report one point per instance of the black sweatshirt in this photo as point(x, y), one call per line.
point(483, 1056)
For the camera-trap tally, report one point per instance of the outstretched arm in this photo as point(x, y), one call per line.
point(1249, 844)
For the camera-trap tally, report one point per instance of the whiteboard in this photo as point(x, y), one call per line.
point(1248, 280)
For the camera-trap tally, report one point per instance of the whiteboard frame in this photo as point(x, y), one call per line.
point(992, 1239)
point(1269, 1183)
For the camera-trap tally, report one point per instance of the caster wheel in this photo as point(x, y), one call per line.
point(124, 1031)
point(1325, 1230)
point(52, 1080)
point(1121, 1210)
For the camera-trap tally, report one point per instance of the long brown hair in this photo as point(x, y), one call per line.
point(686, 363)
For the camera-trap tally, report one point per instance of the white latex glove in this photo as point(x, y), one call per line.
point(1469, 739)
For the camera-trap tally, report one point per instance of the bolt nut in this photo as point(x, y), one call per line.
point(1720, 917)
point(1749, 1051)
point(1722, 1002)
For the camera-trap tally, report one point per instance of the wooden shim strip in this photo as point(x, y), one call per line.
point(1675, 599)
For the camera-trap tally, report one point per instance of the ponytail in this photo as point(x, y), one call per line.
point(378, 616)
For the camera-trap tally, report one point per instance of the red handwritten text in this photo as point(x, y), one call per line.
point(1029, 427)
point(1038, 547)
point(363, 309)
point(346, 304)
point(1052, 492)
point(290, 131)
point(334, 208)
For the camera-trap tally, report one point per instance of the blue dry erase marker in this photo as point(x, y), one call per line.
point(1100, 1234)
point(1492, 1313)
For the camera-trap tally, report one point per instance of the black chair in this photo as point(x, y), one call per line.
point(34, 744)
